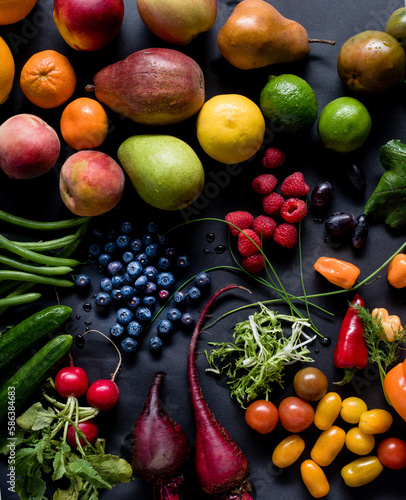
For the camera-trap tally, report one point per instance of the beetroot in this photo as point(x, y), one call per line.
point(222, 468)
point(159, 446)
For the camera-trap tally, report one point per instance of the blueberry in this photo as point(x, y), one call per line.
point(116, 330)
point(126, 227)
point(134, 268)
point(165, 327)
point(194, 293)
point(150, 289)
point(183, 261)
point(165, 279)
point(152, 227)
point(141, 282)
point(116, 294)
point(152, 250)
point(164, 263)
point(202, 280)
point(129, 280)
point(149, 300)
point(170, 251)
point(127, 292)
point(163, 239)
point(143, 314)
point(150, 272)
point(134, 329)
point(124, 315)
point(102, 299)
point(163, 294)
point(134, 302)
point(110, 247)
point(148, 239)
point(95, 249)
point(82, 280)
point(136, 245)
point(179, 297)
point(114, 267)
point(112, 233)
point(117, 281)
point(174, 314)
point(106, 285)
point(142, 258)
point(127, 257)
point(123, 241)
point(104, 259)
point(129, 345)
point(155, 344)
point(187, 319)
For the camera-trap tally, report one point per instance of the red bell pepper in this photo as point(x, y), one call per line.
point(351, 351)
point(394, 386)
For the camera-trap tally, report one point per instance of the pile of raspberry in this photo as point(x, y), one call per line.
point(282, 211)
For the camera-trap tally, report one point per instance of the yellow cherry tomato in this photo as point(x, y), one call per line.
point(352, 408)
point(314, 479)
point(327, 410)
point(328, 445)
point(361, 471)
point(288, 451)
point(375, 421)
point(358, 442)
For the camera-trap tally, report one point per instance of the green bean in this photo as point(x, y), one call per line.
point(34, 278)
point(34, 256)
point(19, 299)
point(42, 226)
point(48, 245)
point(20, 289)
point(70, 249)
point(6, 286)
point(30, 268)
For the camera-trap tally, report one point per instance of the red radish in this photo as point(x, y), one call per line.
point(89, 429)
point(159, 446)
point(103, 394)
point(71, 381)
point(222, 468)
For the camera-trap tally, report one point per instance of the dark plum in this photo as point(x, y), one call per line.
point(360, 231)
point(322, 194)
point(339, 223)
point(356, 178)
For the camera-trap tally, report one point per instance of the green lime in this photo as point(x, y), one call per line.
point(344, 124)
point(289, 102)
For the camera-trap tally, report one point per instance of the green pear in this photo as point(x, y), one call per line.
point(164, 170)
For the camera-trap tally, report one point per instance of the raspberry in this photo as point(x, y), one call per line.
point(264, 184)
point(293, 210)
point(247, 247)
point(285, 235)
point(294, 186)
point(254, 263)
point(243, 220)
point(264, 226)
point(273, 158)
point(272, 202)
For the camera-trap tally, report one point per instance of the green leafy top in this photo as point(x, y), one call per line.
point(260, 352)
point(388, 201)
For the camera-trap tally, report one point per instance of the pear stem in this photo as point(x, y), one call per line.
point(318, 40)
point(89, 87)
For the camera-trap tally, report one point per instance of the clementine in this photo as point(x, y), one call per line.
point(12, 11)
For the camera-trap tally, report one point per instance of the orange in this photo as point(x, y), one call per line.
point(84, 124)
point(48, 79)
point(12, 11)
point(7, 70)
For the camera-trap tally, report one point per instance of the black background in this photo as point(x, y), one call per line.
point(225, 190)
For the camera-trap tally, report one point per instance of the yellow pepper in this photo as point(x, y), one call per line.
point(397, 271)
point(390, 324)
point(339, 272)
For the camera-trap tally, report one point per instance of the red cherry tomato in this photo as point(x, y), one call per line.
point(262, 416)
point(392, 453)
point(295, 414)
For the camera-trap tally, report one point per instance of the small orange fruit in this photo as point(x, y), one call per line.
point(12, 11)
point(7, 71)
point(48, 79)
point(84, 124)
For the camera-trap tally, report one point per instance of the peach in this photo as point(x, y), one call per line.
point(91, 183)
point(88, 25)
point(29, 147)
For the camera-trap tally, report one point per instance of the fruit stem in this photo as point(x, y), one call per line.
point(319, 40)
point(89, 87)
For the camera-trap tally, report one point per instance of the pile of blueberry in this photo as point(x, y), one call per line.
point(140, 272)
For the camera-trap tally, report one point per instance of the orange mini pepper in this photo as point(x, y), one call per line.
point(397, 271)
point(340, 273)
point(394, 386)
point(390, 324)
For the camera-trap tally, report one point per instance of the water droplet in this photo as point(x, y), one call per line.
point(210, 237)
point(220, 249)
point(318, 221)
point(78, 316)
point(325, 341)
point(88, 323)
point(206, 251)
point(80, 341)
point(316, 351)
point(91, 258)
point(87, 306)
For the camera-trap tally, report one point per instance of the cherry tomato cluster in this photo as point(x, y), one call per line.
point(296, 413)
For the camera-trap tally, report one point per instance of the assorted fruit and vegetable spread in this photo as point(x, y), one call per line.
point(122, 156)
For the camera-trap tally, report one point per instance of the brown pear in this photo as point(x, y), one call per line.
point(257, 35)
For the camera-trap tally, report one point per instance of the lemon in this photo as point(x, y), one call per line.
point(289, 102)
point(7, 71)
point(230, 128)
point(344, 124)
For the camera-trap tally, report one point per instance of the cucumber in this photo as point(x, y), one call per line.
point(28, 380)
point(27, 333)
